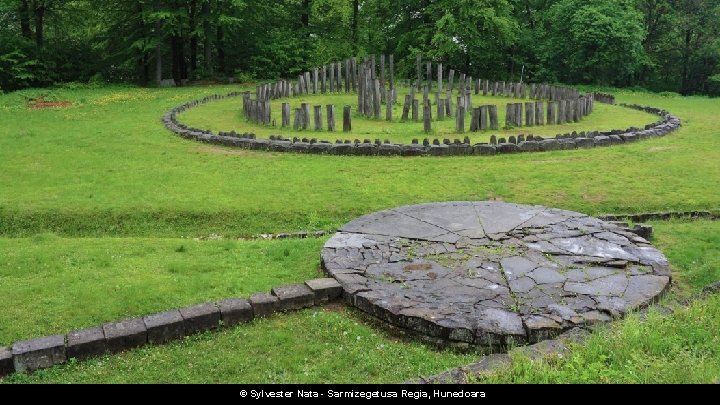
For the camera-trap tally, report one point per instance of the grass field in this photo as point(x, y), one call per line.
point(100, 209)
point(226, 115)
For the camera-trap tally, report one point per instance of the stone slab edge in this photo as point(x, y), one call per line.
point(668, 124)
point(239, 310)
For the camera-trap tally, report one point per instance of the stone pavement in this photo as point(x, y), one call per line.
point(492, 273)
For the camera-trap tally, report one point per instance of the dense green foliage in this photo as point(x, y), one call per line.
point(669, 45)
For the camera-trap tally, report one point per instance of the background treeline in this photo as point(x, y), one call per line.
point(664, 45)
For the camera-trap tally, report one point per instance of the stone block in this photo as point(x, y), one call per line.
point(201, 317)
point(264, 304)
point(85, 343)
point(324, 289)
point(35, 354)
point(126, 334)
point(6, 361)
point(296, 296)
point(235, 310)
point(164, 326)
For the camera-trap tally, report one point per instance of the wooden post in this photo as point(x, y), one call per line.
point(539, 113)
point(318, 117)
point(406, 108)
point(377, 99)
point(561, 111)
point(425, 94)
point(306, 115)
point(308, 87)
point(388, 106)
point(316, 75)
point(509, 114)
point(492, 111)
point(338, 87)
point(332, 78)
point(415, 112)
point(297, 124)
point(519, 114)
point(323, 87)
point(475, 120)
point(449, 105)
point(451, 79)
point(353, 70)
point(348, 75)
point(418, 60)
point(347, 119)
point(460, 119)
point(427, 117)
point(331, 117)
point(529, 114)
point(551, 113)
point(440, 78)
point(429, 75)
point(483, 118)
point(392, 72)
point(382, 78)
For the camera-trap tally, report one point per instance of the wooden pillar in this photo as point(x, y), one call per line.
point(331, 117)
point(347, 119)
point(318, 117)
point(492, 112)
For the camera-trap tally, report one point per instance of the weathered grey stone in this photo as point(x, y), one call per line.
point(324, 289)
point(125, 335)
point(264, 304)
point(234, 311)
point(85, 343)
point(35, 354)
point(491, 273)
point(164, 326)
point(201, 317)
point(293, 297)
point(6, 361)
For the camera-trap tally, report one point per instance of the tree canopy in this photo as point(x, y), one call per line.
point(665, 45)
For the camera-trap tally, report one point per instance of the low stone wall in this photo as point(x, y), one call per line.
point(665, 125)
point(163, 327)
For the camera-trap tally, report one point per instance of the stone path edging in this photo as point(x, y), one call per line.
point(163, 327)
point(667, 124)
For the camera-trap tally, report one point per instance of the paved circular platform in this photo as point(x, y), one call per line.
point(488, 273)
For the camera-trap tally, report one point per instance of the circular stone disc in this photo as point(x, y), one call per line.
point(488, 273)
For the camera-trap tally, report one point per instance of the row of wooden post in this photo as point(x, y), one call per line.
point(302, 117)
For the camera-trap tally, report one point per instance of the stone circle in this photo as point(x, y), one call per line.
point(492, 273)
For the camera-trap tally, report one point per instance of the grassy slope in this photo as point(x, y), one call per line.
point(317, 346)
point(108, 167)
point(225, 115)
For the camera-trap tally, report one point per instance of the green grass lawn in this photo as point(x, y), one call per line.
point(318, 345)
point(56, 284)
point(97, 199)
point(107, 167)
point(226, 115)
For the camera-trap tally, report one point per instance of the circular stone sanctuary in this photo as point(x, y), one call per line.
point(492, 273)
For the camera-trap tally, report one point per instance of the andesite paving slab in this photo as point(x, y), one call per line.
point(492, 273)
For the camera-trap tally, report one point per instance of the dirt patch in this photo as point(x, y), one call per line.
point(418, 267)
point(594, 198)
point(334, 307)
point(40, 103)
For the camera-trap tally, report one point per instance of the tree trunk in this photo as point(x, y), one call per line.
point(39, 26)
point(685, 84)
point(176, 64)
point(193, 36)
point(354, 27)
point(305, 14)
point(24, 14)
point(207, 31)
point(221, 49)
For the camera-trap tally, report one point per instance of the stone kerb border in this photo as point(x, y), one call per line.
point(163, 327)
point(665, 125)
